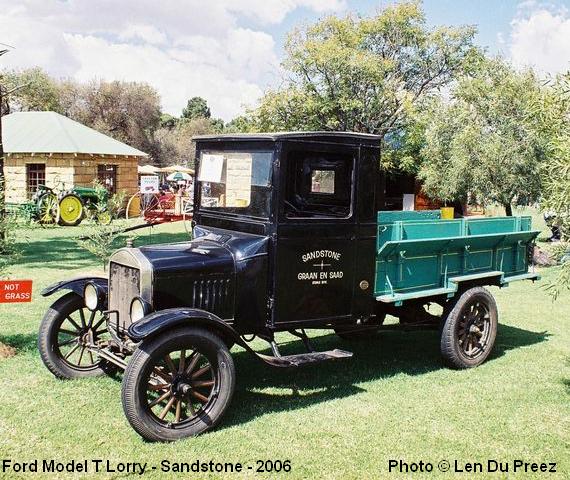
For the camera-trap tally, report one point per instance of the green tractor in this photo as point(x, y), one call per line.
point(70, 207)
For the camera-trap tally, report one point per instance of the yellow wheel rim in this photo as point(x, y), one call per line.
point(134, 206)
point(47, 208)
point(70, 209)
point(104, 218)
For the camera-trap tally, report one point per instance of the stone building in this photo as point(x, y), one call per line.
point(48, 148)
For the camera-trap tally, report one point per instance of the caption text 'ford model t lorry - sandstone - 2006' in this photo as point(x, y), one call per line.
point(291, 233)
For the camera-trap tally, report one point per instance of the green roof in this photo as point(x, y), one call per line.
point(50, 132)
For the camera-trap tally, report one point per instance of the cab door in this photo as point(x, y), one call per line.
point(315, 249)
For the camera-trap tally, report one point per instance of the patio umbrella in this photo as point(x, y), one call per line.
point(178, 176)
point(147, 169)
point(177, 168)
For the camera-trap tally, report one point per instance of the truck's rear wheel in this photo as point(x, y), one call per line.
point(469, 330)
point(178, 384)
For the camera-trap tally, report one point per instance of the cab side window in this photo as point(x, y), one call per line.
point(318, 185)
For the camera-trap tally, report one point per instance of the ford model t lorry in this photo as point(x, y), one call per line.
point(290, 234)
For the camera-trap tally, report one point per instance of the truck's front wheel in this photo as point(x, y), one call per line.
point(67, 331)
point(469, 330)
point(178, 384)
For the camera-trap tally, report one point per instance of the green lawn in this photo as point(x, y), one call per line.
point(393, 400)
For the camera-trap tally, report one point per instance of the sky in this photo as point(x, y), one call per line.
point(229, 51)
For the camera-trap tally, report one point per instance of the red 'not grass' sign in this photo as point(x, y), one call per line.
point(15, 291)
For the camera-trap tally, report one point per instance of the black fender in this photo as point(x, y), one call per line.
point(157, 322)
point(76, 285)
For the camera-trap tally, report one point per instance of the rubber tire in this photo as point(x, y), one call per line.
point(64, 306)
point(134, 402)
point(449, 344)
point(79, 219)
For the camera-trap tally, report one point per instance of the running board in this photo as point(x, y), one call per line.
point(304, 358)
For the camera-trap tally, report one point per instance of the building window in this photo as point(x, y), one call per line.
point(107, 175)
point(35, 176)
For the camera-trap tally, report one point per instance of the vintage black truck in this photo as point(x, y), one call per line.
point(291, 234)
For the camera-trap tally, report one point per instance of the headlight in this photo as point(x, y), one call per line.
point(94, 296)
point(139, 309)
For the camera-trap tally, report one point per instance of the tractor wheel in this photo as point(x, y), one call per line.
point(47, 209)
point(70, 210)
point(469, 330)
point(104, 218)
point(178, 384)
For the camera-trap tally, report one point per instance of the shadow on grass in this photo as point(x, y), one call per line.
point(50, 252)
point(23, 343)
point(155, 238)
point(390, 354)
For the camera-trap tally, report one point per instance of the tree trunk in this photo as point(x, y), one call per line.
point(2, 183)
point(508, 210)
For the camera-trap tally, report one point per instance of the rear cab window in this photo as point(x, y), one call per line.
point(318, 185)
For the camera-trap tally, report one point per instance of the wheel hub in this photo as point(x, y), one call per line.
point(86, 337)
point(180, 386)
point(474, 329)
point(473, 339)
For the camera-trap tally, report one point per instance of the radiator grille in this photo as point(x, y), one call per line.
point(213, 295)
point(124, 285)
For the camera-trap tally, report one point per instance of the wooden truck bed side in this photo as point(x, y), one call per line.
point(421, 255)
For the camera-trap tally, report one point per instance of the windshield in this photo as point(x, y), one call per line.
point(236, 182)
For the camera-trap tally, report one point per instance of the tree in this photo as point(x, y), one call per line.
point(8, 89)
point(185, 133)
point(364, 74)
point(102, 240)
point(196, 107)
point(127, 111)
point(168, 121)
point(166, 141)
point(554, 116)
point(486, 141)
point(39, 91)
point(177, 145)
point(241, 124)
point(218, 125)
point(553, 113)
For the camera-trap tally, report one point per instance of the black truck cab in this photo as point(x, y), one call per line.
point(297, 211)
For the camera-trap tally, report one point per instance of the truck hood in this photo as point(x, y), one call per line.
point(202, 273)
point(214, 251)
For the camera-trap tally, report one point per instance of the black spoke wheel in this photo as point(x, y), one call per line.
point(178, 384)
point(66, 331)
point(468, 332)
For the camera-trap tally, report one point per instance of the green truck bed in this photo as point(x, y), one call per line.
point(421, 255)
